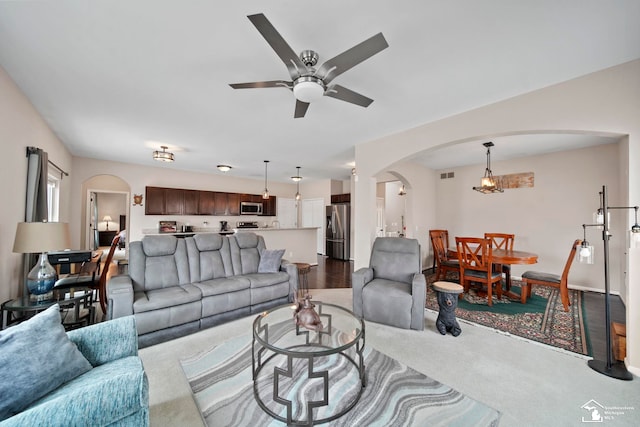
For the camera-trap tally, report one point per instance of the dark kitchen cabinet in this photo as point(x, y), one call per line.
point(173, 201)
point(190, 203)
point(206, 203)
point(154, 204)
point(233, 204)
point(177, 201)
point(269, 206)
point(341, 198)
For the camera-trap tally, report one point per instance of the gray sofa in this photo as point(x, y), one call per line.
point(179, 286)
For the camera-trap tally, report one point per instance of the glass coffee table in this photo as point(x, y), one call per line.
point(307, 377)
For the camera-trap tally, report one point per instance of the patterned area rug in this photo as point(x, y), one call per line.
point(395, 395)
point(541, 319)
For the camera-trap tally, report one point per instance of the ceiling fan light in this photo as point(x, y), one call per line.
point(164, 155)
point(224, 168)
point(308, 89)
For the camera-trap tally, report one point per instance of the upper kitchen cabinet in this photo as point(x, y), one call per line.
point(154, 204)
point(269, 206)
point(233, 203)
point(190, 205)
point(206, 203)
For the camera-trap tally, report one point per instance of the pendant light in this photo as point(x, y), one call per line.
point(488, 183)
point(265, 194)
point(297, 179)
point(164, 155)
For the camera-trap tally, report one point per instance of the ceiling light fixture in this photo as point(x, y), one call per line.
point(265, 194)
point(308, 89)
point(297, 179)
point(488, 182)
point(224, 168)
point(164, 155)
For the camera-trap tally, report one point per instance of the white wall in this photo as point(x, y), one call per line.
point(547, 218)
point(606, 102)
point(21, 126)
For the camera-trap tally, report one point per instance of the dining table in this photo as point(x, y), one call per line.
point(507, 256)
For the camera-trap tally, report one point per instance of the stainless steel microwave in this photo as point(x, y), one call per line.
point(250, 208)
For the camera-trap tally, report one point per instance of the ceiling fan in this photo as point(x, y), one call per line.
point(307, 83)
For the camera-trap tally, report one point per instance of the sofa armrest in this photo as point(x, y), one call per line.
point(359, 279)
point(119, 297)
point(419, 294)
point(292, 270)
point(107, 341)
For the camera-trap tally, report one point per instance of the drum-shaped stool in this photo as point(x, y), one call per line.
point(448, 301)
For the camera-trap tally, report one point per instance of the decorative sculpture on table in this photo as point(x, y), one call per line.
point(305, 315)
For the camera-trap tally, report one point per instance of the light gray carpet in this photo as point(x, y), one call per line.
point(529, 383)
point(394, 395)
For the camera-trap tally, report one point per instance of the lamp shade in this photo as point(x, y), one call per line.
point(107, 218)
point(34, 237)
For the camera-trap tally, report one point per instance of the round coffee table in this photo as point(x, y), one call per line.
point(307, 377)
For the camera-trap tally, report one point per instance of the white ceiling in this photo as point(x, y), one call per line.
point(117, 79)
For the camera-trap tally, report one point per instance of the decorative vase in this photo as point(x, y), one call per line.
point(41, 278)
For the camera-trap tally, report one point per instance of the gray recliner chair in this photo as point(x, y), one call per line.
point(392, 290)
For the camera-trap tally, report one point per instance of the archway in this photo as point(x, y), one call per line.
point(116, 194)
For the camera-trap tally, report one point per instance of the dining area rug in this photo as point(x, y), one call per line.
point(395, 394)
point(541, 319)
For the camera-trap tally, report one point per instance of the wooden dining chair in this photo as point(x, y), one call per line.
point(475, 256)
point(443, 262)
point(502, 241)
point(548, 279)
point(438, 234)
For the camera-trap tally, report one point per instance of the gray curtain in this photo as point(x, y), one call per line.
point(36, 208)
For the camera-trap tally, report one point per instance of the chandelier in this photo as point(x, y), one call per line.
point(488, 182)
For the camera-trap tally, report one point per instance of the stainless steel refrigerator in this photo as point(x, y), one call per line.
point(338, 231)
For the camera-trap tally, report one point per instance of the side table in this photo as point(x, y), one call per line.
point(77, 306)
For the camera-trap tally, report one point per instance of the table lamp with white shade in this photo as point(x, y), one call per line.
point(41, 237)
point(107, 219)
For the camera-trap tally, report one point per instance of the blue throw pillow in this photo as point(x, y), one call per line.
point(270, 260)
point(36, 358)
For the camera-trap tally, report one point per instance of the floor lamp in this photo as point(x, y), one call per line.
point(607, 367)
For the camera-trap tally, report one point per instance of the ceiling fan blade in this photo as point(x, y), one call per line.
point(294, 64)
point(301, 109)
point(337, 65)
point(344, 94)
point(271, 83)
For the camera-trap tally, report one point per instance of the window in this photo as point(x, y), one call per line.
point(53, 198)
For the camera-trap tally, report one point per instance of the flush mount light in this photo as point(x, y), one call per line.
point(224, 168)
point(488, 183)
point(164, 155)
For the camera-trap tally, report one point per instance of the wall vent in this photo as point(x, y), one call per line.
point(447, 175)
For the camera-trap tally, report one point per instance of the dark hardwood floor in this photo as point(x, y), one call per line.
point(332, 273)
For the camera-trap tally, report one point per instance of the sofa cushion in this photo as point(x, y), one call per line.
point(223, 285)
point(36, 358)
point(155, 299)
point(260, 280)
point(388, 302)
point(270, 260)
